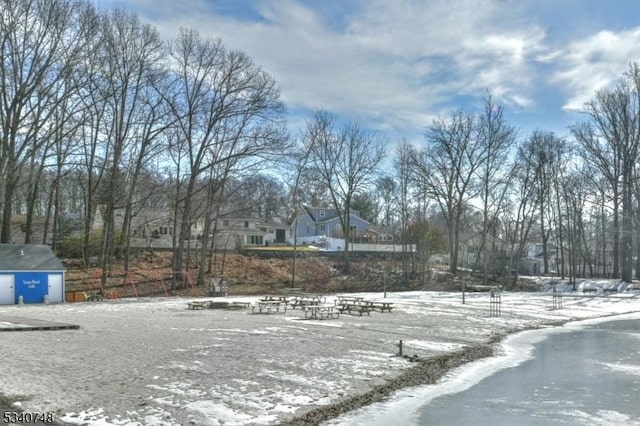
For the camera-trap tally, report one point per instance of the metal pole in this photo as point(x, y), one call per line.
point(384, 284)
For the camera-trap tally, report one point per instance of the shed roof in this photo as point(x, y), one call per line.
point(28, 257)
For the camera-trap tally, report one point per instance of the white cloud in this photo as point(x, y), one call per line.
point(394, 64)
point(596, 62)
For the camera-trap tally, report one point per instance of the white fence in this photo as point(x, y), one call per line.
point(337, 244)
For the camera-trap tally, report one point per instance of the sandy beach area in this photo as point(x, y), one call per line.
point(155, 362)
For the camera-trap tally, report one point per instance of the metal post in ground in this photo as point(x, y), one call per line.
point(557, 298)
point(384, 284)
point(495, 300)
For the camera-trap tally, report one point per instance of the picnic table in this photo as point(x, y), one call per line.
point(320, 312)
point(348, 299)
point(199, 304)
point(359, 308)
point(382, 306)
point(268, 307)
point(302, 301)
point(275, 298)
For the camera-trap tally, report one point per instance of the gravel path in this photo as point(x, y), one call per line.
point(155, 362)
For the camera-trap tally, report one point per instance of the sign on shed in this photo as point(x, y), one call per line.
point(30, 274)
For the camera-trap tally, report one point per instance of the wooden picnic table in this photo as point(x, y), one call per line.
point(320, 312)
point(302, 301)
point(275, 298)
point(382, 306)
point(268, 307)
point(199, 304)
point(348, 299)
point(359, 308)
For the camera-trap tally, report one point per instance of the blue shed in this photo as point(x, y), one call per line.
point(31, 272)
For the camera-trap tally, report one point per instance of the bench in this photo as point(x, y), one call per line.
point(95, 297)
point(359, 308)
point(238, 305)
point(198, 305)
point(609, 290)
point(589, 290)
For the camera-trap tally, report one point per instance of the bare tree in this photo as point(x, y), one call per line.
point(386, 189)
point(446, 171)
point(520, 218)
point(544, 155)
point(37, 47)
point(131, 51)
point(347, 161)
point(403, 175)
point(610, 139)
point(227, 111)
point(496, 138)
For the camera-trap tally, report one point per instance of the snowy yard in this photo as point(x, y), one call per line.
point(153, 361)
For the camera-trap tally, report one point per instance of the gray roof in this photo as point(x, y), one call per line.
point(28, 257)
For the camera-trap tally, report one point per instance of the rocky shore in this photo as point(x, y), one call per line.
point(427, 371)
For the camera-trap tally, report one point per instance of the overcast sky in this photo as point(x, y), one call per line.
point(397, 64)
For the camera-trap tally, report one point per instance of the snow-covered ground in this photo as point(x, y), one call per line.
point(153, 362)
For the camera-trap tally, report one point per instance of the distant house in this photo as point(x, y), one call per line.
point(19, 226)
point(30, 274)
point(153, 227)
point(150, 227)
point(234, 233)
point(322, 221)
point(379, 234)
point(471, 247)
point(533, 260)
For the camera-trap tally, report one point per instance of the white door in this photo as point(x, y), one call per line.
point(55, 288)
point(7, 290)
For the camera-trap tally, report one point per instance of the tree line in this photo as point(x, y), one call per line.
point(98, 111)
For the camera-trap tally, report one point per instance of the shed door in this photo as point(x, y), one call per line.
point(7, 290)
point(55, 288)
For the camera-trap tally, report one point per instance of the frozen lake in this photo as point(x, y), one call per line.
point(584, 373)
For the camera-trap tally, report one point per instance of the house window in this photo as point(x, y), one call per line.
point(246, 224)
point(322, 213)
point(255, 240)
point(322, 228)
